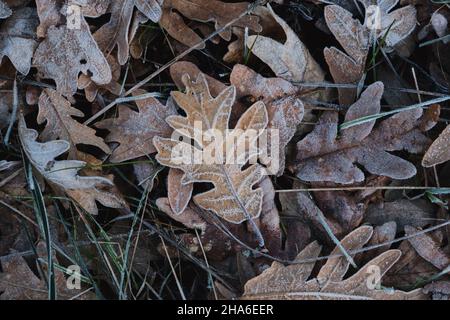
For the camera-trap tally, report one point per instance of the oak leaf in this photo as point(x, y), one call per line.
point(57, 113)
point(291, 282)
point(117, 31)
point(17, 38)
point(284, 108)
point(354, 39)
point(64, 173)
point(134, 131)
point(215, 11)
point(233, 197)
point(323, 156)
point(18, 282)
point(66, 53)
point(5, 11)
point(291, 60)
point(439, 151)
point(392, 26)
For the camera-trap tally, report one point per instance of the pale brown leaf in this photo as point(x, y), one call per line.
point(291, 282)
point(290, 60)
point(134, 131)
point(322, 156)
point(17, 38)
point(57, 113)
point(233, 197)
point(219, 12)
point(117, 31)
point(66, 53)
point(439, 151)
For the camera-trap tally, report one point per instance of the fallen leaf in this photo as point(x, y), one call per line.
point(291, 61)
point(179, 194)
point(233, 197)
point(134, 131)
point(219, 12)
point(439, 151)
point(57, 113)
point(18, 282)
point(17, 38)
point(427, 248)
point(284, 108)
point(64, 173)
point(323, 156)
point(117, 31)
point(291, 282)
point(394, 26)
point(416, 213)
point(354, 38)
point(66, 53)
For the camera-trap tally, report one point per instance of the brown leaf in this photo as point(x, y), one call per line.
point(117, 31)
point(428, 248)
point(65, 53)
point(403, 212)
point(219, 12)
point(134, 131)
point(291, 61)
point(17, 38)
point(394, 26)
point(439, 151)
point(57, 113)
point(291, 282)
point(285, 110)
point(354, 38)
point(232, 187)
point(51, 12)
point(322, 156)
point(179, 194)
point(64, 174)
point(18, 282)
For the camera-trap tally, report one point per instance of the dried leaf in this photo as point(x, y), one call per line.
point(134, 131)
point(354, 38)
point(291, 61)
point(404, 212)
point(323, 156)
point(65, 53)
point(428, 248)
point(117, 31)
point(440, 290)
point(51, 12)
point(17, 38)
point(18, 282)
point(5, 11)
point(439, 151)
point(6, 102)
point(285, 110)
point(221, 13)
point(57, 113)
point(233, 197)
point(64, 173)
point(393, 26)
point(291, 282)
point(179, 194)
